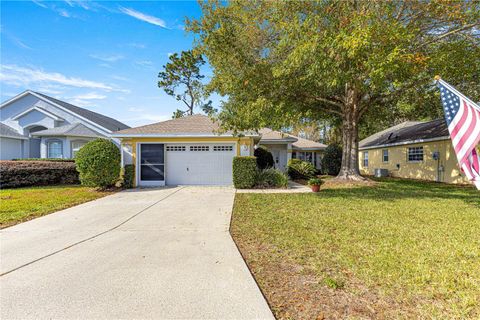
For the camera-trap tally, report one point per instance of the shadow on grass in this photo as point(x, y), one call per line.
point(397, 189)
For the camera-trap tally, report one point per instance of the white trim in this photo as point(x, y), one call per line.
point(10, 137)
point(21, 95)
point(404, 143)
point(176, 135)
point(156, 183)
point(37, 108)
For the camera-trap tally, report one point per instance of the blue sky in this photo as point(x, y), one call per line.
point(104, 56)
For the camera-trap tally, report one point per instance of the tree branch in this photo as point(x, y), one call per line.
point(449, 33)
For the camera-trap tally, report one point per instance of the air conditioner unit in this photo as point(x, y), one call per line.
point(379, 173)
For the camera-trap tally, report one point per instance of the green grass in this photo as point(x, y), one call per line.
point(414, 242)
point(17, 205)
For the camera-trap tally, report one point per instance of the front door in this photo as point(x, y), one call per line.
point(151, 164)
point(279, 159)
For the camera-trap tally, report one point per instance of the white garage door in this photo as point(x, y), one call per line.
point(199, 164)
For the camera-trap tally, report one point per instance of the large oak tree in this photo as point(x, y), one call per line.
point(280, 62)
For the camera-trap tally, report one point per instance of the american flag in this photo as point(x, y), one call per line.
point(463, 120)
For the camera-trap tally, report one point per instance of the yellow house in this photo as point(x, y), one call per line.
point(192, 151)
point(415, 150)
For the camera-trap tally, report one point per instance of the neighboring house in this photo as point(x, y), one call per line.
point(192, 151)
point(34, 125)
point(416, 150)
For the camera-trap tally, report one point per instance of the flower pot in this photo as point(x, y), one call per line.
point(315, 188)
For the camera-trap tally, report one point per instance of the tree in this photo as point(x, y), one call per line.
point(181, 79)
point(280, 62)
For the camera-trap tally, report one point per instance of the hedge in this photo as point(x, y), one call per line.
point(14, 174)
point(244, 172)
point(128, 176)
point(45, 159)
point(98, 163)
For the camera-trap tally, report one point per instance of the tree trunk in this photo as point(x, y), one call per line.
point(350, 168)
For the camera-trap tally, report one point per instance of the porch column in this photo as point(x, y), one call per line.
point(289, 152)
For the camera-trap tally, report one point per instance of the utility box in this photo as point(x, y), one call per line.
point(379, 173)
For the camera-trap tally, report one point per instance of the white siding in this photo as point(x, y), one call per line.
point(10, 148)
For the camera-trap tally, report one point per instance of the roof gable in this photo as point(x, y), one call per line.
point(108, 124)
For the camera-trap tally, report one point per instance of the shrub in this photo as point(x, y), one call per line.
point(244, 172)
point(332, 160)
point(98, 163)
point(298, 169)
point(14, 174)
point(271, 177)
point(264, 158)
point(45, 159)
point(128, 176)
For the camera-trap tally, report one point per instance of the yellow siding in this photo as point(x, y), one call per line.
point(424, 170)
point(237, 140)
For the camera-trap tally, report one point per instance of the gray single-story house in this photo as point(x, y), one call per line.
point(34, 125)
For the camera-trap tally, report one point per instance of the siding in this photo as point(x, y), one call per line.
point(424, 170)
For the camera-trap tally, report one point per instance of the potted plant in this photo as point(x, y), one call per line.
point(315, 184)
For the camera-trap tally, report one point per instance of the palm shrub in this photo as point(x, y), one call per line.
point(332, 160)
point(298, 169)
point(244, 172)
point(98, 163)
point(271, 177)
point(264, 158)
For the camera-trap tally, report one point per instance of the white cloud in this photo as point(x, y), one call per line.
point(25, 77)
point(90, 96)
point(38, 3)
point(144, 17)
point(144, 63)
point(134, 109)
point(107, 58)
point(63, 13)
point(120, 78)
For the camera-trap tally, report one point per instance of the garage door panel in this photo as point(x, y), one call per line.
point(201, 164)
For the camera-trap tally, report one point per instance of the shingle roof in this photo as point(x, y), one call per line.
point(75, 129)
point(269, 134)
point(6, 131)
point(104, 121)
point(194, 124)
point(406, 132)
point(307, 144)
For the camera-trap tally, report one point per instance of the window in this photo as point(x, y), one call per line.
point(385, 155)
point(365, 158)
point(415, 154)
point(176, 148)
point(199, 148)
point(76, 145)
point(307, 156)
point(222, 148)
point(55, 149)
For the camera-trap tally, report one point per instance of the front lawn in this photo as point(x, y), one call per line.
point(18, 205)
point(397, 249)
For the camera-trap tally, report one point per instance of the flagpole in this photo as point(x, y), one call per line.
point(438, 79)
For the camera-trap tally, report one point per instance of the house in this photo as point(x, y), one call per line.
point(415, 150)
point(192, 151)
point(34, 125)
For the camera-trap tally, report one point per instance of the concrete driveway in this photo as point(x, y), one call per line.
point(152, 253)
